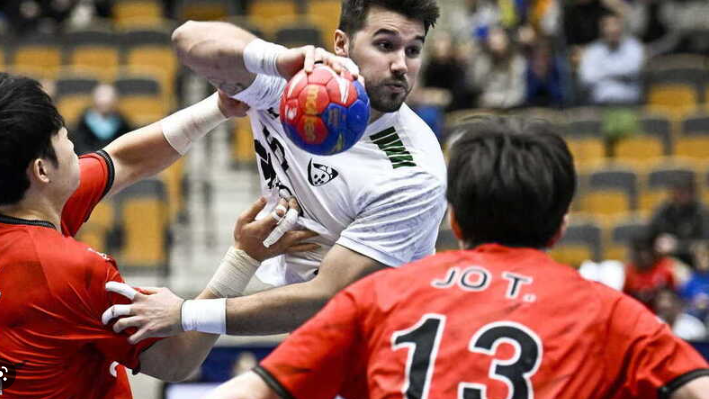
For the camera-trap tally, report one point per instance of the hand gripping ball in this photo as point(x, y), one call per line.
point(324, 113)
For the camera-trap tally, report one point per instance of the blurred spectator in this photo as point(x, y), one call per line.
point(670, 308)
point(648, 272)
point(446, 70)
point(650, 21)
point(245, 362)
point(545, 71)
point(101, 123)
point(608, 272)
point(29, 16)
point(582, 20)
point(696, 291)
point(611, 67)
point(498, 73)
point(680, 221)
point(476, 20)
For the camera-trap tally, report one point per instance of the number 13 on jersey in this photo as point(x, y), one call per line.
point(424, 338)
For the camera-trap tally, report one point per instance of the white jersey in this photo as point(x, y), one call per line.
point(384, 198)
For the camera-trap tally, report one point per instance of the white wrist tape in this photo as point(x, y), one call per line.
point(284, 226)
point(204, 315)
point(260, 57)
point(261, 91)
point(184, 127)
point(233, 274)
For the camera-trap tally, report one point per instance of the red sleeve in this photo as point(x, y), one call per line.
point(96, 174)
point(323, 358)
point(91, 300)
point(656, 362)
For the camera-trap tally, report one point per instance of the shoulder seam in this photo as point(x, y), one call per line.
point(111, 171)
point(272, 382)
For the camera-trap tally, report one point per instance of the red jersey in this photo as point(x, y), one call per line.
point(644, 285)
point(52, 295)
point(494, 322)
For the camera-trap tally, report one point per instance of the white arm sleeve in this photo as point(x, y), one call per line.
point(264, 93)
point(399, 224)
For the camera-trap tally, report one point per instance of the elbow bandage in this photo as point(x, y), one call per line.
point(260, 57)
point(233, 274)
point(204, 315)
point(184, 127)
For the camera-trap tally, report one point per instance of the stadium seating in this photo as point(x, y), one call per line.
point(128, 13)
point(620, 236)
point(38, 55)
point(658, 181)
point(242, 149)
point(675, 92)
point(141, 99)
point(652, 142)
point(150, 51)
point(299, 34)
point(325, 14)
point(270, 9)
point(204, 10)
point(93, 50)
point(582, 241)
point(143, 223)
point(73, 95)
point(610, 192)
point(97, 231)
point(694, 139)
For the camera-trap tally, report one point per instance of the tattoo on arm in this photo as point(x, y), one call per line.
point(229, 88)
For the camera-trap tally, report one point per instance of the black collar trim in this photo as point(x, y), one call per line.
point(13, 220)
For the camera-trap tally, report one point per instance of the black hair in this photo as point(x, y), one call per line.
point(28, 120)
point(510, 181)
point(354, 12)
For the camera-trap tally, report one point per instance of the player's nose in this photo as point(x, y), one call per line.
point(398, 62)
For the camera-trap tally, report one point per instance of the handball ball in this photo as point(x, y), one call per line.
point(324, 113)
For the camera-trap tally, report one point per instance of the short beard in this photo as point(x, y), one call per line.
point(385, 102)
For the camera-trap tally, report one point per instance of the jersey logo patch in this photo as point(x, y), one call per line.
point(319, 175)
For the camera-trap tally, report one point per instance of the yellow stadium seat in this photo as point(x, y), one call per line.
point(675, 99)
point(325, 15)
point(587, 151)
point(696, 147)
point(639, 149)
point(267, 9)
point(159, 61)
point(71, 107)
point(94, 236)
point(173, 178)
point(649, 200)
point(606, 203)
point(203, 10)
point(243, 142)
point(617, 252)
point(102, 61)
point(571, 254)
point(45, 60)
point(144, 223)
point(137, 12)
point(142, 110)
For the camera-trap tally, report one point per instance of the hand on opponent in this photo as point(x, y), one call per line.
point(156, 312)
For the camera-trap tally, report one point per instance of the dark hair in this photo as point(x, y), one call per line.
point(28, 120)
point(510, 181)
point(354, 12)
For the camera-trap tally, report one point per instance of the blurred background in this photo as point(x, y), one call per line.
point(626, 82)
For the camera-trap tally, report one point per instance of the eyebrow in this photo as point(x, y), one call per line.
point(384, 31)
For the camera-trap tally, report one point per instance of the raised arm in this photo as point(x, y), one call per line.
point(218, 52)
point(147, 151)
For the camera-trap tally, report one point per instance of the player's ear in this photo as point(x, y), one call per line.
point(560, 233)
point(38, 171)
point(342, 44)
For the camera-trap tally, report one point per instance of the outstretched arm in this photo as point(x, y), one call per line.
point(147, 151)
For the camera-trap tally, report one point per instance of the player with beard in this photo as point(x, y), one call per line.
point(374, 206)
